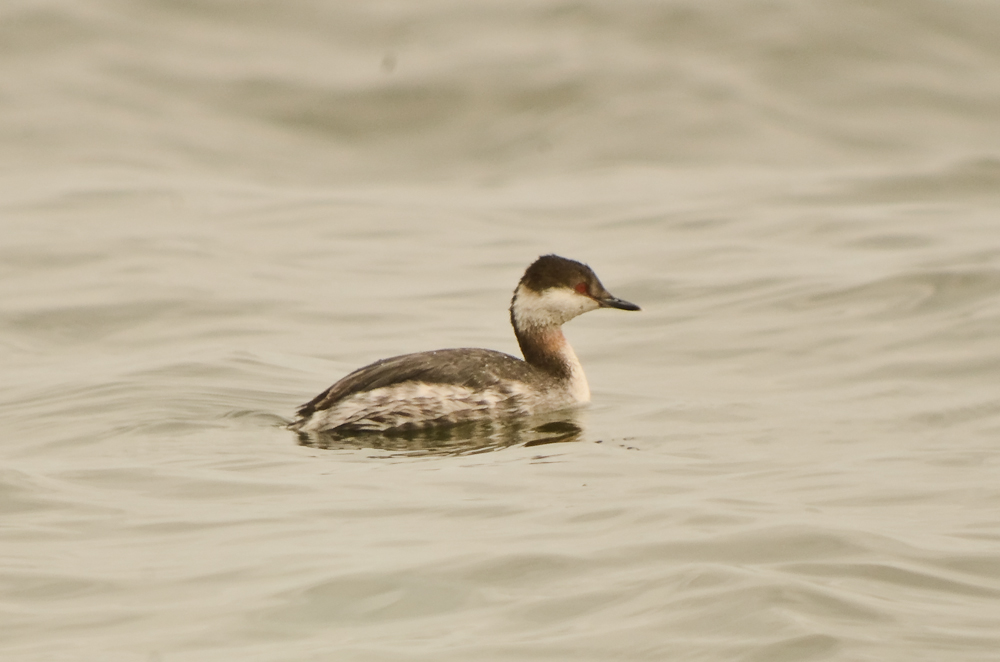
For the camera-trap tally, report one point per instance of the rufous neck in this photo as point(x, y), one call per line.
point(546, 348)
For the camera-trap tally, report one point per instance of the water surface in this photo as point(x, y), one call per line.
point(213, 210)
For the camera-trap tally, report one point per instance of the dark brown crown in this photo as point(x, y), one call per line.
point(554, 271)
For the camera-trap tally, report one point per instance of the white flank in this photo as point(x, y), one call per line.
point(416, 403)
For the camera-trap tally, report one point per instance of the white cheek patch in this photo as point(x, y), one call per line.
point(551, 307)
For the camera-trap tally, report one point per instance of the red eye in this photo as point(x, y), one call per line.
point(581, 288)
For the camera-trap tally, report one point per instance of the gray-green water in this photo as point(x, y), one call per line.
point(212, 210)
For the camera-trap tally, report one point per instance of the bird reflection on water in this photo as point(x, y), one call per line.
point(468, 438)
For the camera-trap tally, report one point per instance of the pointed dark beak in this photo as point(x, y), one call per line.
point(609, 301)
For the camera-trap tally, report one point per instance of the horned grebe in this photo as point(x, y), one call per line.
point(450, 386)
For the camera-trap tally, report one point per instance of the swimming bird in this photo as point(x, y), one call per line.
point(449, 386)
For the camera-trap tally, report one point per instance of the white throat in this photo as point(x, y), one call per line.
point(549, 308)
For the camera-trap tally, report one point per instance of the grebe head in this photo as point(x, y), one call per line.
point(554, 290)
